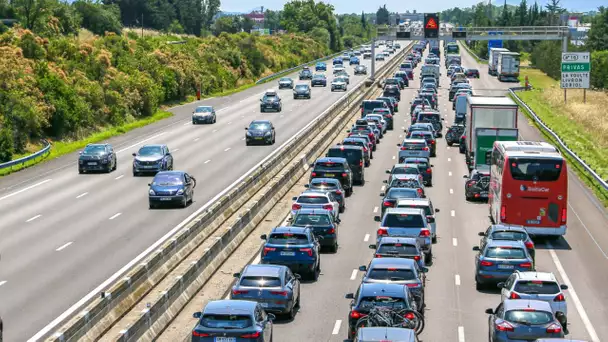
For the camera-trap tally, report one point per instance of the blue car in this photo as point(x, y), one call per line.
point(171, 187)
point(337, 61)
point(294, 247)
point(523, 320)
point(234, 321)
point(354, 61)
point(152, 158)
point(499, 259)
point(321, 67)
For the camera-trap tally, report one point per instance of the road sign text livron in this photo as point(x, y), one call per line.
point(576, 68)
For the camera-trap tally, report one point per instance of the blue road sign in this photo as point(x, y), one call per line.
point(494, 43)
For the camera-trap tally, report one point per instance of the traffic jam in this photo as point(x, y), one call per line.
point(523, 182)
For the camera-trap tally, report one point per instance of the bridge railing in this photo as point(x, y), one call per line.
point(32, 157)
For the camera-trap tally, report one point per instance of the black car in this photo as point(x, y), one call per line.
point(323, 224)
point(453, 134)
point(305, 74)
point(359, 141)
point(360, 70)
point(474, 73)
point(152, 158)
point(477, 184)
point(368, 106)
point(319, 80)
point(355, 157)
point(270, 101)
point(260, 132)
point(286, 82)
point(392, 195)
point(392, 91)
point(397, 81)
point(455, 87)
point(337, 168)
point(302, 91)
point(97, 157)
point(390, 102)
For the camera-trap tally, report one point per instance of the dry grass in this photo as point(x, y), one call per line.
point(148, 32)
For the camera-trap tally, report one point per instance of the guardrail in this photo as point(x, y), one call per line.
point(116, 296)
point(563, 145)
point(21, 161)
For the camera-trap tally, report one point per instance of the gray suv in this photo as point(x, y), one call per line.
point(97, 157)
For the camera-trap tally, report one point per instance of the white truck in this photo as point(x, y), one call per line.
point(487, 112)
point(493, 59)
point(508, 66)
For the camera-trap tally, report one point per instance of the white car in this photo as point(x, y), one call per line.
point(338, 70)
point(535, 285)
point(378, 118)
point(380, 57)
point(344, 75)
point(339, 83)
point(310, 199)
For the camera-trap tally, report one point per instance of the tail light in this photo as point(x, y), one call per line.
point(514, 296)
point(559, 298)
point(237, 292)
point(279, 293)
point(268, 249)
point(338, 192)
point(564, 215)
point(382, 232)
point(419, 191)
point(254, 335)
point(425, 232)
point(200, 334)
point(388, 204)
point(331, 231)
point(344, 174)
point(504, 326)
point(503, 213)
point(328, 207)
point(402, 148)
point(356, 314)
point(365, 149)
point(471, 183)
point(429, 170)
point(314, 174)
point(529, 244)
point(554, 329)
point(417, 257)
point(410, 316)
point(361, 164)
point(526, 265)
point(432, 142)
point(486, 263)
point(296, 206)
point(426, 148)
point(307, 250)
point(378, 256)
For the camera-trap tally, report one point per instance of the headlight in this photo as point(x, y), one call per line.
point(180, 191)
point(267, 133)
point(248, 133)
point(105, 160)
point(151, 192)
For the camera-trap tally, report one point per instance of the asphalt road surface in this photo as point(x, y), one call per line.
point(63, 233)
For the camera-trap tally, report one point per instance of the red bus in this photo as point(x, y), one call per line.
point(529, 187)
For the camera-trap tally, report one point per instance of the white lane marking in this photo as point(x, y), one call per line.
point(588, 232)
point(449, 173)
point(375, 210)
point(64, 246)
point(400, 135)
point(33, 218)
point(337, 327)
point(366, 238)
point(394, 157)
point(460, 334)
point(451, 191)
point(82, 195)
point(383, 188)
point(215, 130)
point(230, 122)
point(449, 159)
point(243, 138)
point(208, 160)
point(119, 177)
point(577, 302)
point(354, 274)
point(282, 115)
point(175, 149)
point(140, 142)
point(115, 216)
point(187, 123)
point(3, 282)
point(25, 189)
point(453, 213)
point(197, 139)
point(457, 279)
point(455, 242)
point(226, 150)
point(448, 147)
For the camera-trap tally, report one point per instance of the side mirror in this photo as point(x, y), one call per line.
point(500, 285)
point(246, 128)
point(481, 234)
point(382, 194)
point(338, 220)
point(294, 198)
point(197, 315)
point(264, 237)
point(372, 246)
point(271, 317)
point(363, 268)
point(465, 176)
point(430, 219)
point(432, 165)
point(348, 131)
point(149, 184)
point(261, 100)
point(437, 210)
point(349, 296)
point(388, 171)
point(489, 311)
point(297, 276)
point(79, 152)
point(312, 164)
point(442, 119)
point(134, 154)
point(563, 286)
point(476, 249)
point(307, 186)
point(377, 218)
point(424, 269)
point(236, 275)
point(385, 181)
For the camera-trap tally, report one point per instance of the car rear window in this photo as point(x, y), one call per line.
point(311, 219)
point(302, 86)
point(394, 193)
point(426, 208)
point(391, 274)
point(418, 146)
point(260, 281)
point(543, 170)
point(509, 235)
point(373, 104)
point(422, 165)
point(406, 171)
point(421, 135)
point(368, 302)
point(433, 116)
point(350, 154)
point(226, 321)
point(397, 248)
point(403, 221)
point(330, 166)
point(505, 253)
point(529, 317)
point(313, 199)
point(288, 238)
point(354, 143)
point(536, 287)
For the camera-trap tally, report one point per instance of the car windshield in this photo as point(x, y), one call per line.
point(527, 317)
point(270, 97)
point(167, 179)
point(94, 150)
point(391, 274)
point(226, 321)
point(397, 248)
point(427, 209)
point(330, 166)
point(509, 235)
point(505, 253)
point(311, 219)
point(306, 71)
point(147, 151)
point(285, 79)
point(259, 281)
point(260, 126)
point(302, 87)
point(404, 221)
point(318, 76)
point(542, 170)
point(404, 183)
point(395, 193)
point(367, 303)
point(340, 79)
point(288, 239)
point(203, 109)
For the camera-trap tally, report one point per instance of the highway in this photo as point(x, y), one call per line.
point(63, 233)
point(455, 309)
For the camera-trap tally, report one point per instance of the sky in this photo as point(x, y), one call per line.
point(356, 6)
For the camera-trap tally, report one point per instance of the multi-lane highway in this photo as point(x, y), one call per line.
point(455, 309)
point(63, 233)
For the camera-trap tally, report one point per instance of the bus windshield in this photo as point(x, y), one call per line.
point(530, 169)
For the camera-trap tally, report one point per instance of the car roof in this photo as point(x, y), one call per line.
point(506, 243)
point(336, 160)
point(414, 141)
point(226, 307)
point(396, 239)
point(290, 229)
point(520, 304)
point(372, 334)
point(162, 173)
point(314, 193)
point(382, 289)
point(260, 121)
point(346, 147)
point(311, 211)
point(544, 276)
point(425, 202)
point(264, 270)
point(153, 145)
point(393, 263)
point(507, 227)
point(406, 211)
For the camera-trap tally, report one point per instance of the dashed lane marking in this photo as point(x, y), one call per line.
point(449, 159)
point(82, 195)
point(115, 216)
point(451, 191)
point(375, 210)
point(25, 189)
point(197, 139)
point(455, 242)
point(457, 280)
point(353, 275)
point(337, 327)
point(33, 218)
point(175, 149)
point(206, 161)
point(64, 246)
point(119, 177)
point(3, 282)
point(449, 173)
point(366, 238)
point(453, 213)
point(394, 157)
point(226, 150)
point(461, 334)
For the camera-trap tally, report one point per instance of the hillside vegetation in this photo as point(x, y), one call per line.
point(60, 87)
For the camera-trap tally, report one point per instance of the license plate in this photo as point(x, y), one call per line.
point(484, 194)
point(330, 174)
point(259, 138)
point(288, 253)
point(92, 163)
point(505, 267)
point(165, 198)
point(225, 339)
point(264, 305)
point(533, 222)
point(269, 106)
point(147, 166)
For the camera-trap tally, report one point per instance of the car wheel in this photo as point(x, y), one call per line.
point(292, 313)
point(192, 197)
point(450, 143)
point(274, 140)
point(262, 110)
point(151, 205)
point(80, 171)
point(295, 97)
point(109, 168)
point(367, 164)
point(214, 119)
point(430, 183)
point(341, 209)
point(184, 202)
point(247, 143)
point(362, 182)
point(349, 192)
point(478, 286)
point(428, 258)
point(434, 239)
point(115, 165)
point(193, 122)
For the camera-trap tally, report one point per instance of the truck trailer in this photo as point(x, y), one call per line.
point(493, 59)
point(508, 66)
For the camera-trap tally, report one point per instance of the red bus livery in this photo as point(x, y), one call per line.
point(529, 187)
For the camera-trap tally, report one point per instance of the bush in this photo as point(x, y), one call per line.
point(599, 69)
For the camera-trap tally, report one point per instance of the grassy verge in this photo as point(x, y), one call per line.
point(64, 147)
point(580, 125)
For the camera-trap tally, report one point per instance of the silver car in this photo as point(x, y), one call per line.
point(407, 222)
point(273, 286)
point(535, 285)
point(380, 334)
point(316, 200)
point(414, 148)
point(203, 114)
point(426, 205)
point(339, 83)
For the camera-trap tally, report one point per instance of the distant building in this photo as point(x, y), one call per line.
point(257, 17)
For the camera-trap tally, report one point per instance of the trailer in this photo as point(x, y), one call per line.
point(484, 142)
point(508, 66)
point(493, 59)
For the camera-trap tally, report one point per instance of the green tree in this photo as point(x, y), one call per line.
point(7, 149)
point(224, 24)
point(598, 34)
point(554, 9)
point(305, 15)
point(30, 12)
point(98, 18)
point(382, 16)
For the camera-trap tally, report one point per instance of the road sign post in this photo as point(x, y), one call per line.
point(576, 70)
